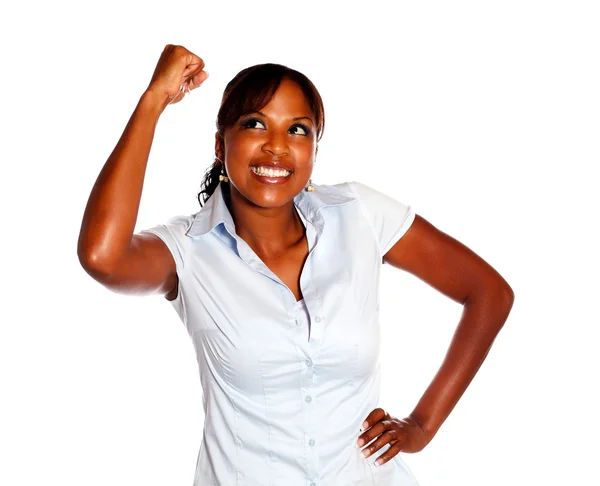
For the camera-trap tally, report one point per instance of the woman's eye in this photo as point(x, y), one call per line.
point(252, 122)
point(303, 130)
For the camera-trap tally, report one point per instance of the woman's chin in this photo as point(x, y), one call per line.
point(274, 196)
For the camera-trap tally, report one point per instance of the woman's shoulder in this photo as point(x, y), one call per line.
point(351, 188)
point(366, 193)
point(181, 220)
point(343, 187)
point(177, 225)
point(356, 190)
point(346, 189)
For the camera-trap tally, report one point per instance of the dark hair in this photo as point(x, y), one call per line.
point(250, 90)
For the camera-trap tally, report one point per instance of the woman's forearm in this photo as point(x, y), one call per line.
point(112, 208)
point(483, 316)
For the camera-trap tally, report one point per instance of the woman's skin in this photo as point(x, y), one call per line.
point(284, 132)
point(265, 217)
point(460, 274)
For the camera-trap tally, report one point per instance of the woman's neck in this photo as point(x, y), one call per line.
point(268, 231)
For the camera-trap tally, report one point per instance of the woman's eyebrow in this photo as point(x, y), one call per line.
point(295, 118)
point(301, 117)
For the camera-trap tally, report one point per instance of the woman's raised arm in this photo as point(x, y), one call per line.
point(107, 248)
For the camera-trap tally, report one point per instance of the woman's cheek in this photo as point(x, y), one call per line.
point(241, 138)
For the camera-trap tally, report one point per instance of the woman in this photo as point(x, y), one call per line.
point(276, 279)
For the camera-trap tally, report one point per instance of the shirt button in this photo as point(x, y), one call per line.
point(317, 319)
point(308, 362)
point(308, 399)
point(311, 442)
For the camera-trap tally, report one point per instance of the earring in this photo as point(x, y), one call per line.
point(310, 187)
point(222, 176)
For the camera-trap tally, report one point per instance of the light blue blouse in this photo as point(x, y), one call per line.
point(286, 385)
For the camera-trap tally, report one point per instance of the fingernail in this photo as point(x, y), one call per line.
point(365, 425)
point(378, 462)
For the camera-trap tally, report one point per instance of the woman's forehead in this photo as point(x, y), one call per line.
point(288, 99)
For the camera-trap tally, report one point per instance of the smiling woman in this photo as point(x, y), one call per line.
point(277, 282)
point(271, 118)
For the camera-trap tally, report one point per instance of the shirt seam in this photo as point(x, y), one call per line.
point(180, 275)
point(262, 379)
point(401, 230)
point(181, 270)
point(366, 215)
point(236, 429)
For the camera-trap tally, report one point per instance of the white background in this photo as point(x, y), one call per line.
point(482, 115)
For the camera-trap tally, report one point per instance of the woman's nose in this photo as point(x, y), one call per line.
point(276, 143)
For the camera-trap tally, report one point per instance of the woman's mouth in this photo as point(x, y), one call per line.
point(270, 175)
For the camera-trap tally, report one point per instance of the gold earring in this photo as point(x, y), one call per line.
point(310, 187)
point(222, 176)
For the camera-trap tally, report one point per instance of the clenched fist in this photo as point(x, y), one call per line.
point(177, 72)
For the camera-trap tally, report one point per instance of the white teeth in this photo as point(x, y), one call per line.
point(270, 172)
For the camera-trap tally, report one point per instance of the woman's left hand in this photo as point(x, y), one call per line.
point(404, 435)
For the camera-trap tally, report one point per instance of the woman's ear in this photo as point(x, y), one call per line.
point(219, 151)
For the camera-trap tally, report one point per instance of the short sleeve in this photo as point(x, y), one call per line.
point(173, 235)
point(389, 218)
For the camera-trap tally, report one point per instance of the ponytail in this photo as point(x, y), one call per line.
point(209, 182)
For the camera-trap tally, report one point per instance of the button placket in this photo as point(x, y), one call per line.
point(311, 426)
point(310, 344)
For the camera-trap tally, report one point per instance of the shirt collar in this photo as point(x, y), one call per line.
point(215, 211)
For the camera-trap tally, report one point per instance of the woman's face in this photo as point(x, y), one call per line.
point(281, 136)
